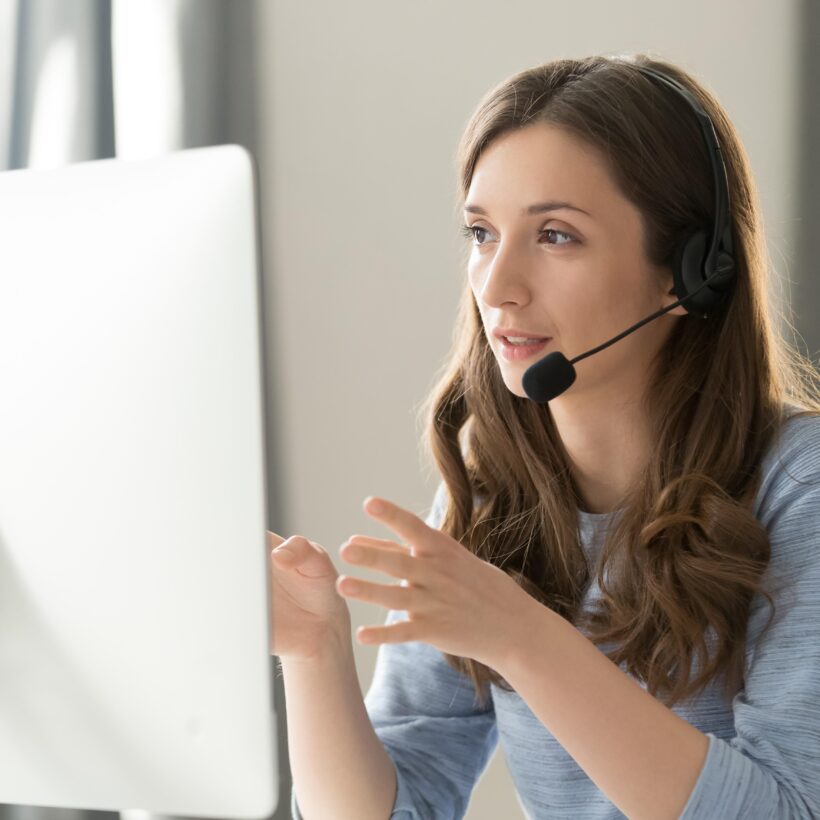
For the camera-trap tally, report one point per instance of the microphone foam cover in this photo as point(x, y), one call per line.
point(548, 377)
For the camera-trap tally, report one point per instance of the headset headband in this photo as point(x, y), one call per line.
point(721, 234)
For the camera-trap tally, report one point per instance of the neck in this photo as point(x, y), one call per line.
point(606, 439)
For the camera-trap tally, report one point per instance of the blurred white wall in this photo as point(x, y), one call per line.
point(362, 104)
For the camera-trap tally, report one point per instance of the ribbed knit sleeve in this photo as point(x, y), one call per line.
point(771, 767)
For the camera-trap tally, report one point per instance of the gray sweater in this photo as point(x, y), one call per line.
point(764, 746)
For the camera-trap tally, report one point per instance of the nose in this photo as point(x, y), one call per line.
point(505, 278)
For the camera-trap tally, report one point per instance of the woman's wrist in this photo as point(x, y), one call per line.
point(336, 646)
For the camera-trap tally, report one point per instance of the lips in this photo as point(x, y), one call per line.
point(533, 339)
point(518, 352)
point(501, 332)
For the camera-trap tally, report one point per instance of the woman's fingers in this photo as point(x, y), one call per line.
point(382, 543)
point(298, 547)
point(293, 550)
point(303, 556)
point(274, 540)
point(391, 596)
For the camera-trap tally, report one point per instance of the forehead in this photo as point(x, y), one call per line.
point(538, 162)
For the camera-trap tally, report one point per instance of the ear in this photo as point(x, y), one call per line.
point(680, 310)
point(671, 297)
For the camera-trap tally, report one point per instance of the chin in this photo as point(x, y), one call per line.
point(514, 384)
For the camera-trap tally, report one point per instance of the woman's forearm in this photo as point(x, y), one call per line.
point(340, 768)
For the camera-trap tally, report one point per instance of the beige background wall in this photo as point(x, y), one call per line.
point(362, 104)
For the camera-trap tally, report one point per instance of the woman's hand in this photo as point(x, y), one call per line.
point(307, 613)
point(455, 601)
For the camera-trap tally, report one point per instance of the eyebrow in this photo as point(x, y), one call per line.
point(537, 208)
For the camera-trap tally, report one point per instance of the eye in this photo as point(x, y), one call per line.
point(471, 232)
point(561, 233)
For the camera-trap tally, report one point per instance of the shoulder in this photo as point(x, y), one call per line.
point(799, 432)
point(790, 474)
point(794, 455)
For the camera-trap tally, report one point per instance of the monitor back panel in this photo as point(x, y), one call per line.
point(134, 640)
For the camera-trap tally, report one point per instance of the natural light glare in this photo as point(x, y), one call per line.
point(8, 31)
point(54, 119)
point(147, 77)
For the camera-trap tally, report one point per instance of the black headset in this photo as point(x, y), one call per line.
point(692, 264)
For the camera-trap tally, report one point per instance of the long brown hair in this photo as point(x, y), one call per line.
point(686, 556)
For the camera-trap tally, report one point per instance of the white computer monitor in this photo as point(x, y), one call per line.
point(135, 666)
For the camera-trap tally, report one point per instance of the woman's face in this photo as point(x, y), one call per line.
point(573, 270)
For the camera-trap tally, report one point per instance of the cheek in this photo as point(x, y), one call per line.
point(583, 318)
point(568, 305)
point(473, 278)
point(591, 297)
point(474, 288)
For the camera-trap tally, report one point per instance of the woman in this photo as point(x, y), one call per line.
point(656, 523)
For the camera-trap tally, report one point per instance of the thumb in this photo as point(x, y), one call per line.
point(289, 548)
point(307, 557)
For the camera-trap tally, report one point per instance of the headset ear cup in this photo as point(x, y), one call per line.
point(693, 257)
point(724, 273)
